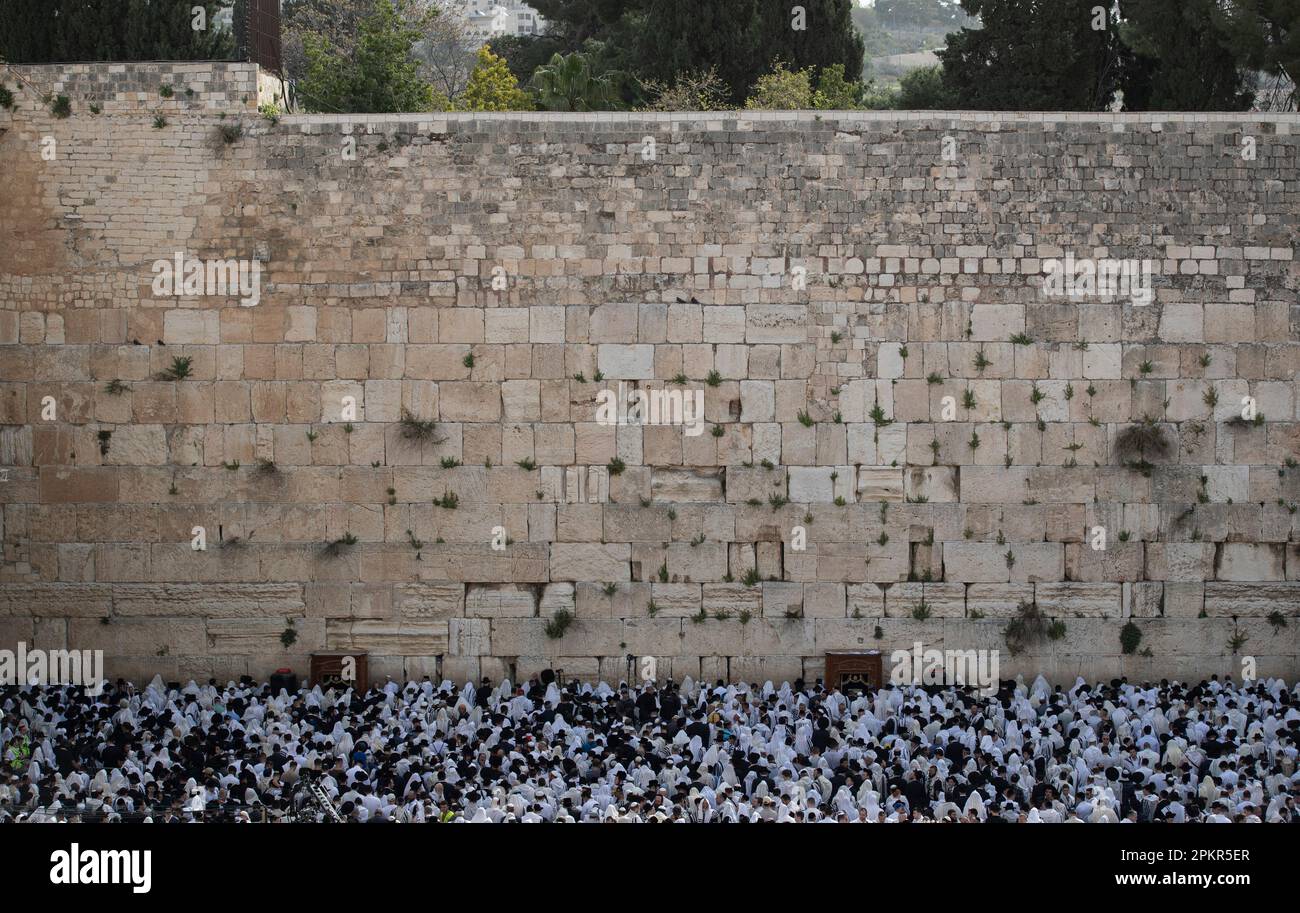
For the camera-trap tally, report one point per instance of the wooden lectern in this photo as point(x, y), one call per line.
point(854, 670)
point(346, 667)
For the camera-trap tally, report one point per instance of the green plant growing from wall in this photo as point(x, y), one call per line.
point(1237, 640)
point(420, 430)
point(449, 501)
point(1026, 628)
point(179, 369)
point(339, 545)
point(558, 624)
point(1141, 440)
point(1129, 637)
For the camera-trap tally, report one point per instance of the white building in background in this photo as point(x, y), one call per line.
point(495, 18)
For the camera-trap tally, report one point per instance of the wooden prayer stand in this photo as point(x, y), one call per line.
point(854, 670)
point(347, 667)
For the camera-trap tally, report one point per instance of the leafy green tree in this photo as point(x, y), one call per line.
point(566, 83)
point(1030, 55)
point(525, 53)
point(656, 40)
point(1184, 57)
point(492, 87)
point(380, 75)
point(834, 92)
point(824, 36)
point(608, 33)
point(686, 35)
point(689, 92)
point(782, 90)
point(923, 89)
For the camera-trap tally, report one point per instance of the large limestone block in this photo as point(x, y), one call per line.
point(1255, 599)
point(824, 600)
point(991, 600)
point(794, 636)
point(776, 323)
point(500, 600)
point(930, 483)
point(629, 600)
point(938, 600)
point(386, 638)
point(980, 634)
point(1119, 562)
point(1250, 561)
point(46, 600)
point(812, 483)
point(156, 637)
point(994, 485)
point(1183, 600)
point(975, 562)
point(626, 362)
point(1034, 561)
point(675, 600)
point(254, 636)
point(732, 599)
point(681, 485)
point(865, 600)
point(705, 561)
point(591, 562)
point(782, 600)
point(1180, 561)
point(466, 401)
point(556, 597)
point(429, 601)
point(1067, 599)
point(880, 483)
point(656, 636)
point(745, 483)
point(469, 636)
point(213, 600)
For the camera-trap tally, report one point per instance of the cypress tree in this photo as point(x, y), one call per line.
point(57, 31)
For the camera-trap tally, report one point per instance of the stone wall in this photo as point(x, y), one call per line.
point(164, 87)
point(825, 281)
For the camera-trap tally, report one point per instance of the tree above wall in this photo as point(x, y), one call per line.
point(69, 31)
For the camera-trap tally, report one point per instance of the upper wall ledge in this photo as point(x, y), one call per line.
point(743, 117)
point(235, 86)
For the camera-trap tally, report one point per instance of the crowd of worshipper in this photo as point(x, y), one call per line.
point(1215, 752)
